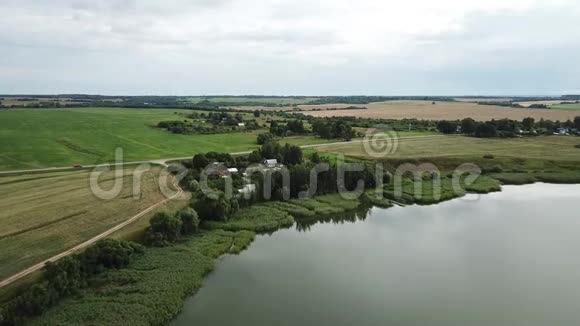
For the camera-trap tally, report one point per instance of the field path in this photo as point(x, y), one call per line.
point(89, 242)
point(162, 161)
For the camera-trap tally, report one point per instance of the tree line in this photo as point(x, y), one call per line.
point(67, 277)
point(504, 127)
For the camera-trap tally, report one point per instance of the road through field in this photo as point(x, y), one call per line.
point(87, 243)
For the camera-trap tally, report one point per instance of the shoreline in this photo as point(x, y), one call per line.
point(178, 271)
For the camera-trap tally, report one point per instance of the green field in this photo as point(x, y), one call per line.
point(575, 106)
point(45, 214)
point(39, 138)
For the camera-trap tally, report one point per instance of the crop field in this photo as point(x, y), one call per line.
point(268, 100)
point(575, 106)
point(19, 101)
point(439, 111)
point(560, 148)
point(38, 138)
point(45, 214)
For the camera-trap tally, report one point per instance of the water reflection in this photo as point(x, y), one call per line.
point(506, 259)
point(353, 216)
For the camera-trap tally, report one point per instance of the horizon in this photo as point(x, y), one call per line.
point(277, 95)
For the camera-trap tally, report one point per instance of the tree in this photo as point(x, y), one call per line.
point(528, 123)
point(296, 126)
point(264, 138)
point(577, 122)
point(484, 130)
point(108, 253)
point(315, 158)
point(292, 154)
point(468, 126)
point(200, 161)
point(255, 157)
point(165, 227)
point(447, 127)
point(257, 113)
point(212, 205)
point(189, 221)
point(194, 186)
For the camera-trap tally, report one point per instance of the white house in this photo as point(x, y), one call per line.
point(270, 163)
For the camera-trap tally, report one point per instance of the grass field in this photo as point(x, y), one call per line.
point(39, 138)
point(45, 214)
point(559, 148)
point(575, 106)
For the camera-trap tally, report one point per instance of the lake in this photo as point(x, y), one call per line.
point(506, 258)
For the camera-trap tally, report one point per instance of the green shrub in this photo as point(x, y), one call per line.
point(165, 228)
point(68, 276)
point(152, 289)
point(189, 221)
point(258, 218)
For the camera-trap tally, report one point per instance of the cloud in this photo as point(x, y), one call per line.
point(295, 45)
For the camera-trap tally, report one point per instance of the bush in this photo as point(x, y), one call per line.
point(67, 276)
point(165, 228)
point(488, 156)
point(213, 205)
point(485, 130)
point(447, 127)
point(495, 169)
point(577, 146)
point(264, 138)
point(189, 221)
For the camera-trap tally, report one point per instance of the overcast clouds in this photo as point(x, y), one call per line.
point(285, 47)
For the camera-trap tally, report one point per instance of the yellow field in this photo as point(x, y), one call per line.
point(423, 110)
point(44, 214)
point(440, 111)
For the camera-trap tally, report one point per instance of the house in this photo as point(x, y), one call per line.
point(248, 189)
point(218, 169)
point(270, 163)
point(241, 124)
point(233, 170)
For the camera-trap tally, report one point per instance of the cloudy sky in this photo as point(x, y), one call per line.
point(290, 47)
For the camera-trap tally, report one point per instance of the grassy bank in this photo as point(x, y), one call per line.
point(152, 289)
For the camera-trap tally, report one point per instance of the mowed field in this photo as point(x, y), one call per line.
point(44, 214)
point(38, 138)
point(557, 148)
point(440, 111)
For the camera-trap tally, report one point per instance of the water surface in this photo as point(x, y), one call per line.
point(508, 258)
